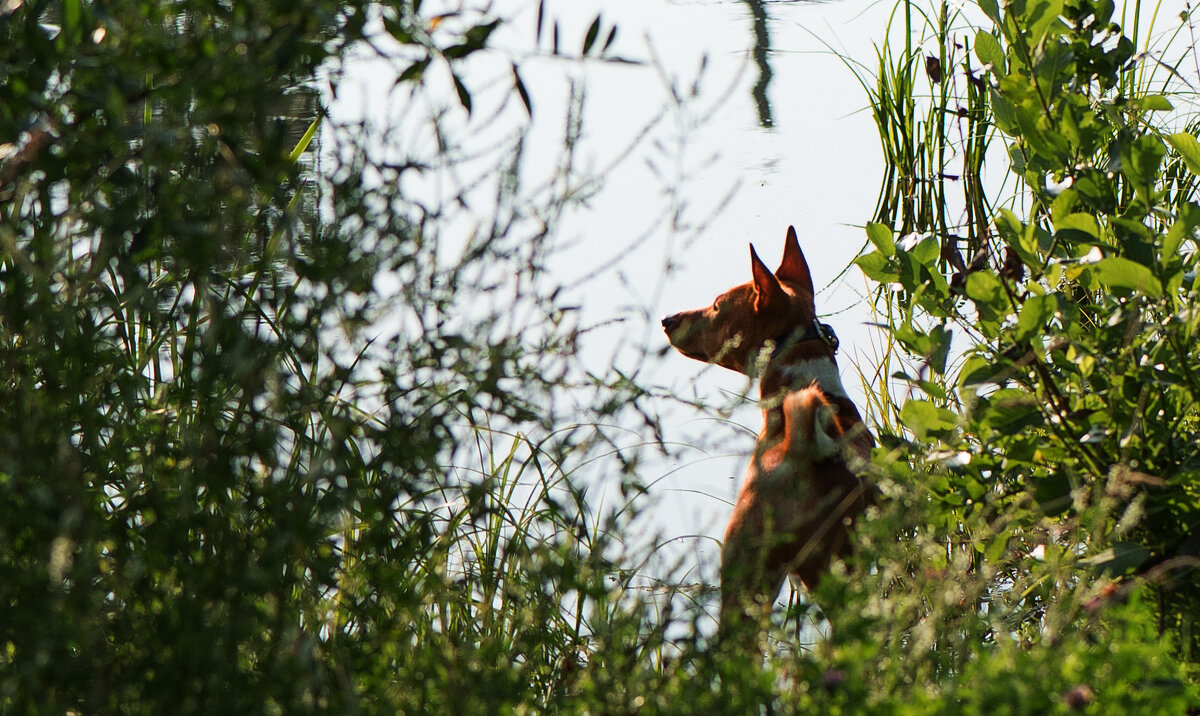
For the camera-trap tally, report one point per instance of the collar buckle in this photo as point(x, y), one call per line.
point(824, 331)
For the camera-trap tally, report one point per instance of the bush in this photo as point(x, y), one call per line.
point(1053, 452)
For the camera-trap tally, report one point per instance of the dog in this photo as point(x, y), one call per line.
point(805, 483)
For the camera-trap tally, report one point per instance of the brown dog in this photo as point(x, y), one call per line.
point(803, 489)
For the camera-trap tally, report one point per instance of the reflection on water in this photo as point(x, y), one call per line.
point(762, 47)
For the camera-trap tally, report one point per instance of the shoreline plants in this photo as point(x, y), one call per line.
point(1047, 449)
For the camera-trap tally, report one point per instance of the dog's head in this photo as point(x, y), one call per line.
point(734, 329)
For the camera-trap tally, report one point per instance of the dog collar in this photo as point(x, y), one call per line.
point(812, 331)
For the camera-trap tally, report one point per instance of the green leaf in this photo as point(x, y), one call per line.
point(877, 267)
point(612, 35)
point(978, 370)
point(941, 338)
point(1142, 160)
point(464, 96)
point(911, 274)
point(927, 251)
point(477, 36)
point(1063, 205)
point(306, 139)
point(72, 22)
point(1019, 237)
point(1118, 272)
point(997, 548)
point(1173, 239)
point(1035, 314)
point(915, 341)
point(399, 31)
point(881, 235)
point(1009, 411)
point(1155, 103)
point(473, 40)
point(988, 50)
point(592, 33)
point(1079, 222)
point(415, 71)
point(1006, 114)
point(1188, 149)
point(521, 91)
point(925, 419)
point(983, 287)
point(1186, 221)
point(1041, 17)
point(1053, 493)
point(974, 488)
point(1122, 557)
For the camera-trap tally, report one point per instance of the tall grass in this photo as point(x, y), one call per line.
point(931, 111)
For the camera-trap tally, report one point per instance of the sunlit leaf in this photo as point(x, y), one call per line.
point(1035, 313)
point(877, 267)
point(881, 236)
point(988, 50)
point(927, 251)
point(1085, 223)
point(1142, 159)
point(925, 419)
point(1155, 103)
point(978, 370)
point(1120, 272)
point(997, 547)
point(1119, 559)
point(984, 287)
point(1188, 149)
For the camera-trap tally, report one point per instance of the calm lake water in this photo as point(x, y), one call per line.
point(732, 121)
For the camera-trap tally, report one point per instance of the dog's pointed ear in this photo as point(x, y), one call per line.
point(766, 286)
point(794, 268)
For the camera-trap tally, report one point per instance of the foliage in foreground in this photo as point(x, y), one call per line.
point(274, 441)
point(259, 448)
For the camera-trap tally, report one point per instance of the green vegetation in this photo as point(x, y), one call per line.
point(278, 439)
point(259, 449)
point(1047, 452)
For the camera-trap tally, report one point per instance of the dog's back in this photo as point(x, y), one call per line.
point(794, 511)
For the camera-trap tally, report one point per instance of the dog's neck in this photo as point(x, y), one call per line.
point(797, 364)
point(796, 368)
point(800, 357)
